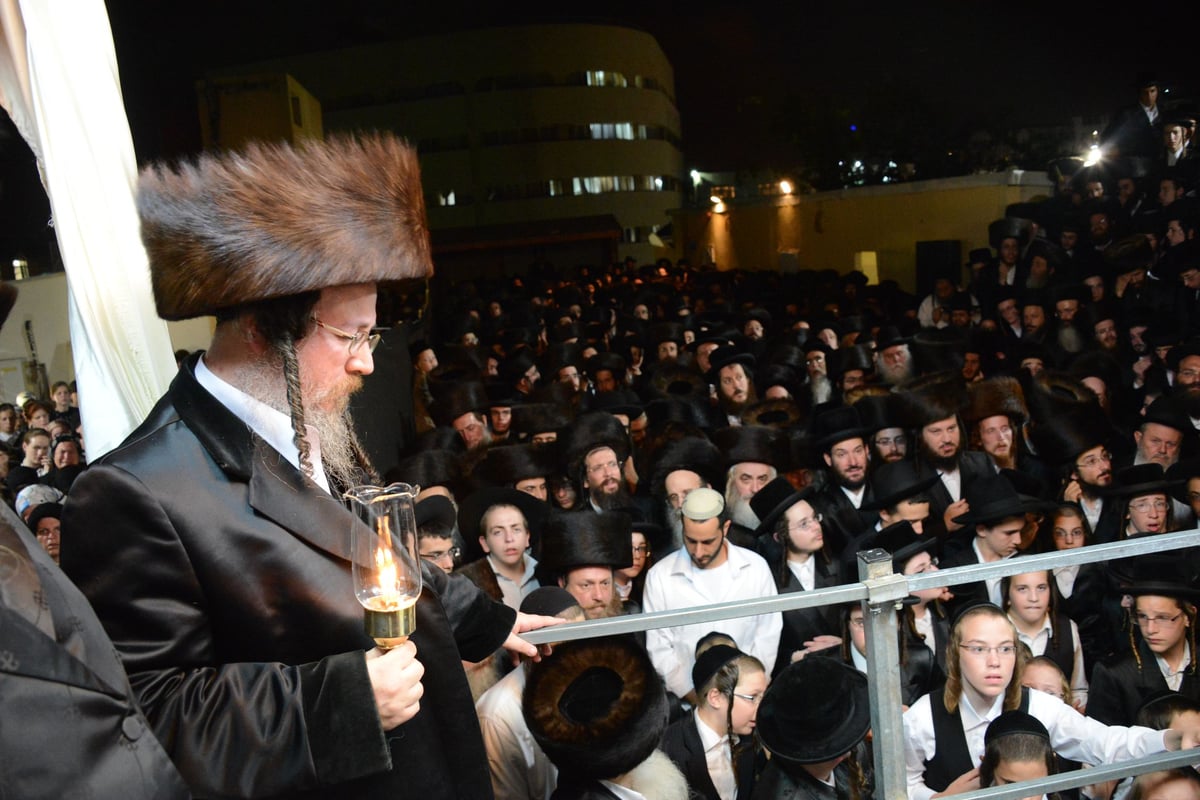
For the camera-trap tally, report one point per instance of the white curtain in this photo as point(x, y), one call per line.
point(59, 83)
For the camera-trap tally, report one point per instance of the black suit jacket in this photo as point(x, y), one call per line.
point(681, 743)
point(71, 726)
point(222, 574)
point(972, 465)
point(1119, 688)
point(802, 624)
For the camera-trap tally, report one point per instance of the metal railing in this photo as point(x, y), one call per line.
point(882, 591)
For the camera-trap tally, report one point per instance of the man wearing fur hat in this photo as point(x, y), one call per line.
point(212, 542)
point(581, 551)
point(708, 569)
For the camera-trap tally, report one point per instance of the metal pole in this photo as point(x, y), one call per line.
point(885, 590)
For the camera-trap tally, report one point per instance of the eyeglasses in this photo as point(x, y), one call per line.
point(886, 441)
point(453, 553)
point(805, 524)
point(641, 548)
point(979, 650)
point(1094, 461)
point(933, 562)
point(355, 340)
point(1142, 506)
point(1159, 620)
point(752, 699)
point(856, 622)
point(608, 466)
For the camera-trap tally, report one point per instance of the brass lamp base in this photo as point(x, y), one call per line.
point(391, 628)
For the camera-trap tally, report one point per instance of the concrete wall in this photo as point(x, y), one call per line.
point(825, 230)
point(43, 301)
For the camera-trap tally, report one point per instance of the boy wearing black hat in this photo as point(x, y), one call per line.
point(804, 565)
point(1163, 657)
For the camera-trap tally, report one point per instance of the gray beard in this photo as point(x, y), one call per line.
point(331, 424)
point(895, 374)
point(742, 514)
point(821, 388)
point(674, 518)
point(1069, 339)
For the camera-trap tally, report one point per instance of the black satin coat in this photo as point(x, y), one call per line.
point(222, 575)
point(69, 724)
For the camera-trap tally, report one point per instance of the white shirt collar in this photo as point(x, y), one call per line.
point(272, 426)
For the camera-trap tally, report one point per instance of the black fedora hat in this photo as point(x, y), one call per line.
point(1141, 479)
point(897, 481)
point(837, 424)
point(748, 443)
point(691, 453)
point(619, 401)
point(771, 501)
point(901, 541)
point(816, 710)
point(993, 498)
point(725, 355)
point(1161, 575)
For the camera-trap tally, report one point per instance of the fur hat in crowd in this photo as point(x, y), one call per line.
point(274, 220)
point(925, 400)
point(586, 539)
point(1000, 395)
point(596, 707)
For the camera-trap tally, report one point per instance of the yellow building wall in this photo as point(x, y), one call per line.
point(825, 230)
point(266, 107)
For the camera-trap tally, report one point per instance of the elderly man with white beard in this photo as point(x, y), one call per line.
point(680, 468)
point(750, 453)
point(893, 361)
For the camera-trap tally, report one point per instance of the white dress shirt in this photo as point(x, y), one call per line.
point(1037, 645)
point(1174, 678)
point(272, 426)
point(519, 767)
point(675, 583)
point(805, 572)
point(1072, 735)
point(718, 759)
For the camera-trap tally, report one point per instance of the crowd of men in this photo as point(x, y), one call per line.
point(610, 442)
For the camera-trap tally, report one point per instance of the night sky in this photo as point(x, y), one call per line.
point(752, 78)
point(757, 84)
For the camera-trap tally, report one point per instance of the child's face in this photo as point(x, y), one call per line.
point(1016, 771)
point(1044, 678)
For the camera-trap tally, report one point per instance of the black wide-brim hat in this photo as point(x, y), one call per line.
point(901, 541)
point(1141, 479)
point(508, 464)
point(1179, 474)
point(757, 444)
point(452, 399)
point(596, 707)
point(928, 399)
point(1158, 574)
point(619, 401)
point(837, 424)
point(725, 355)
point(897, 481)
point(691, 453)
point(771, 501)
point(589, 432)
point(993, 498)
point(816, 710)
